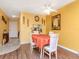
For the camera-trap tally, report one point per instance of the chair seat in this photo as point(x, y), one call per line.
point(47, 48)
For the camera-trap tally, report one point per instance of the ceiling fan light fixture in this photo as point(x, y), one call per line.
point(49, 10)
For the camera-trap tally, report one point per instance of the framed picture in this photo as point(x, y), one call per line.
point(56, 22)
point(43, 21)
point(3, 18)
point(23, 19)
point(27, 22)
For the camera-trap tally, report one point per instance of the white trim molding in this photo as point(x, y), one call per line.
point(24, 42)
point(68, 49)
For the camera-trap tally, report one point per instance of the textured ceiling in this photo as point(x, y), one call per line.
point(14, 7)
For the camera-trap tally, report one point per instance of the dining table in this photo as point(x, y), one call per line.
point(41, 40)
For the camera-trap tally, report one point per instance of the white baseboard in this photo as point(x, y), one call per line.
point(24, 42)
point(68, 49)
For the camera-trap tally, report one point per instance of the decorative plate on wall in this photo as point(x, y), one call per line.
point(36, 18)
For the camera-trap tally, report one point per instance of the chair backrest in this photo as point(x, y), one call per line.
point(51, 33)
point(53, 41)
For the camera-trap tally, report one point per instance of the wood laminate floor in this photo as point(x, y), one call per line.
point(24, 53)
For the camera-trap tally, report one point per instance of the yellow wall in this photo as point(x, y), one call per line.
point(69, 33)
point(3, 26)
point(70, 26)
point(48, 24)
point(25, 30)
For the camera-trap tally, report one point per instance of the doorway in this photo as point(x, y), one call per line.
point(13, 29)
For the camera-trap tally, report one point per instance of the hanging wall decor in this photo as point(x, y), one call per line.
point(27, 22)
point(44, 22)
point(36, 18)
point(23, 19)
point(56, 22)
point(3, 18)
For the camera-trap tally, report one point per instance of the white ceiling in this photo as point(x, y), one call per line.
point(14, 7)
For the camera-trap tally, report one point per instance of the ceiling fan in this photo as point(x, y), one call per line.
point(49, 7)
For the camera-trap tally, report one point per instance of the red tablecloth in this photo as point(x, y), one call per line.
point(40, 40)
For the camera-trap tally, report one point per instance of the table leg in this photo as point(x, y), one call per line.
point(41, 53)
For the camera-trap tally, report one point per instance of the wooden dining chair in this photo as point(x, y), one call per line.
point(52, 47)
